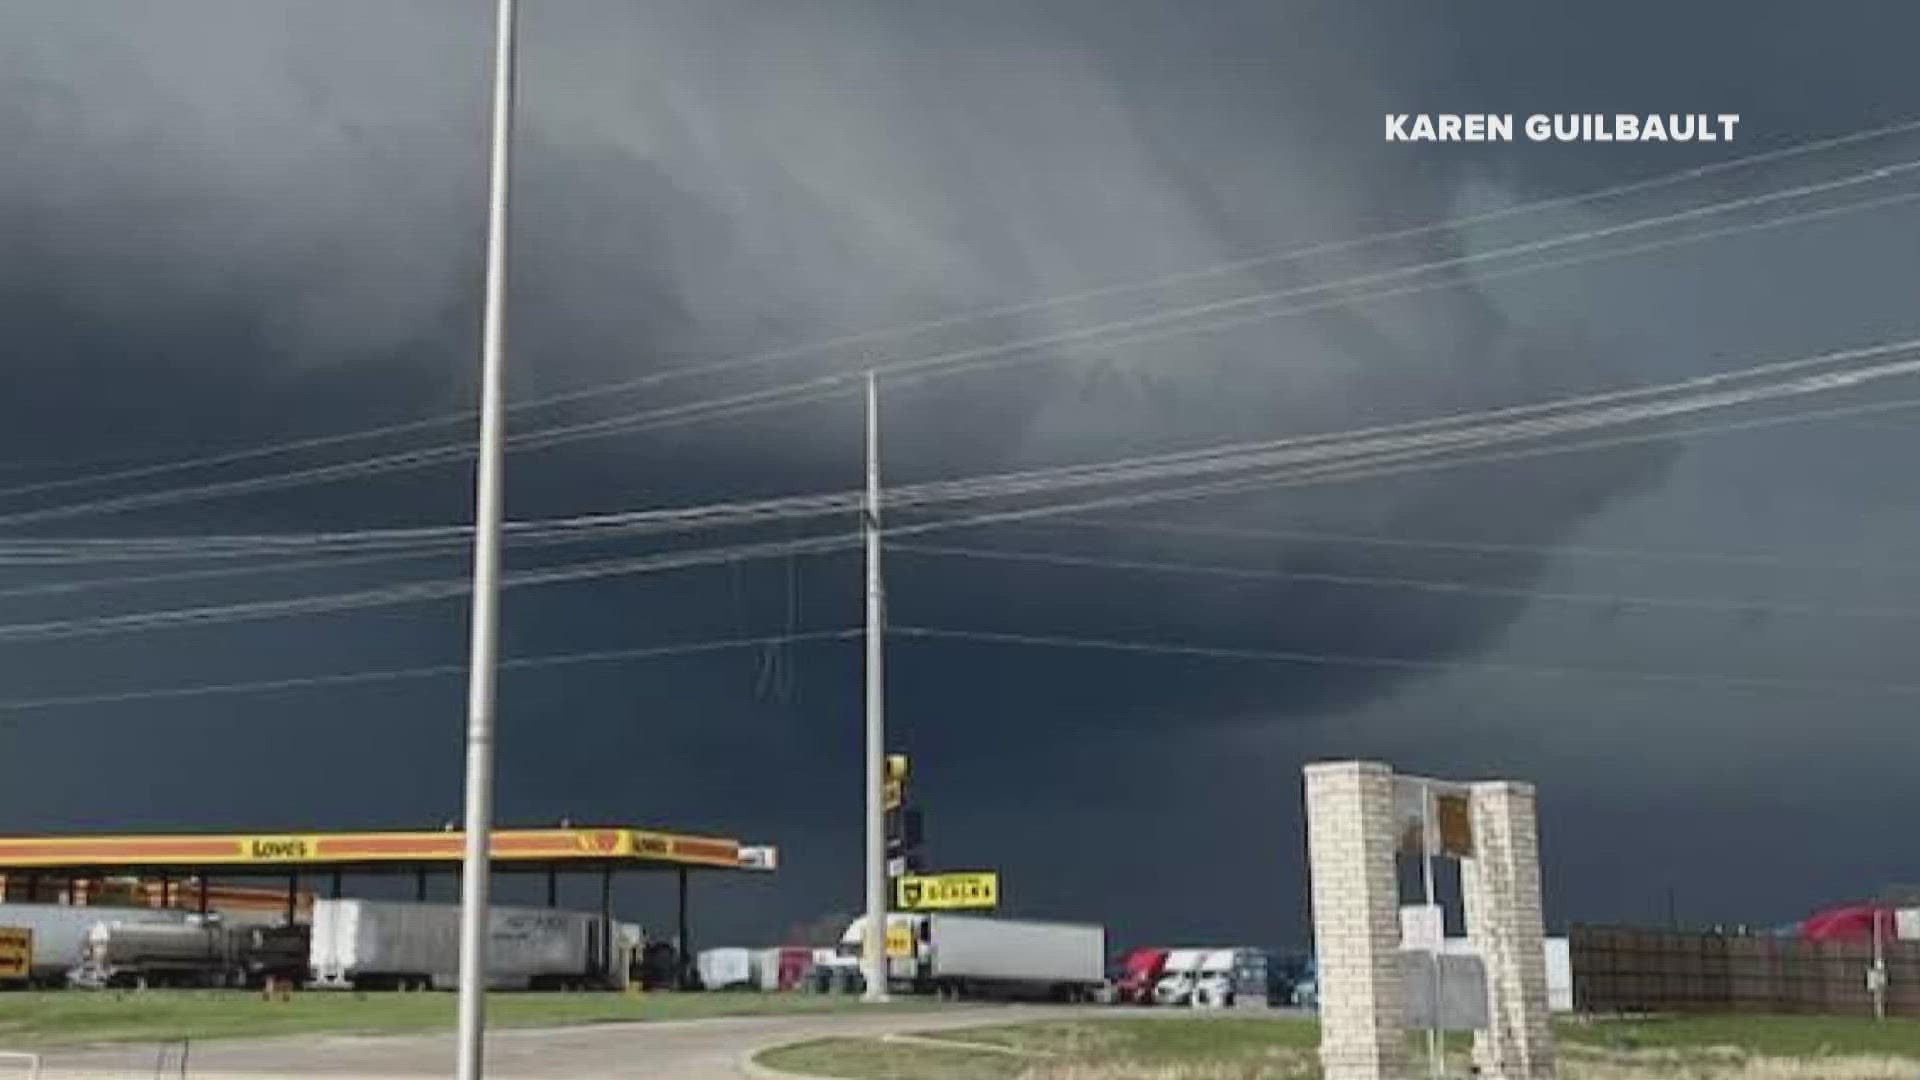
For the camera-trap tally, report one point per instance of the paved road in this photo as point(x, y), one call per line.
point(666, 1050)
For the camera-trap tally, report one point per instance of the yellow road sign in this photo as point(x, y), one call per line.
point(948, 891)
point(900, 941)
point(16, 953)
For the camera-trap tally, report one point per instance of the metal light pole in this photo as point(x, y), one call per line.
point(482, 663)
point(1429, 842)
point(1877, 974)
point(874, 941)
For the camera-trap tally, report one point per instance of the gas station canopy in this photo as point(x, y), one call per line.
point(611, 847)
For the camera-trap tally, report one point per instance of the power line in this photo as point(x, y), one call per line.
point(984, 637)
point(864, 337)
point(965, 360)
point(1143, 328)
point(431, 671)
point(536, 531)
point(1386, 464)
point(410, 592)
point(1757, 683)
point(1396, 464)
point(1441, 587)
point(1481, 547)
point(215, 573)
point(1239, 454)
point(1382, 463)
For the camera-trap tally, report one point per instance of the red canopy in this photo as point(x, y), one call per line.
point(1853, 923)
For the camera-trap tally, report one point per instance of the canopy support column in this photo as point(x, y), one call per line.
point(685, 942)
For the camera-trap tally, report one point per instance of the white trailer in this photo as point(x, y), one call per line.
point(975, 956)
point(724, 969)
point(1906, 924)
point(60, 931)
point(368, 944)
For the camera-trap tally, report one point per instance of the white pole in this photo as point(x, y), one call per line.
point(874, 941)
point(486, 568)
point(1877, 977)
point(1428, 844)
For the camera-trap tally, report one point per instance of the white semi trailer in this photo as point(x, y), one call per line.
point(60, 931)
point(374, 944)
point(972, 956)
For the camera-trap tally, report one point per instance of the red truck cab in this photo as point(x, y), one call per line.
point(1140, 969)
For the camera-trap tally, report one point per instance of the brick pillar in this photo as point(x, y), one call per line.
point(1502, 887)
point(1356, 920)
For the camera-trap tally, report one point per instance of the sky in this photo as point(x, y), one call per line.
point(231, 223)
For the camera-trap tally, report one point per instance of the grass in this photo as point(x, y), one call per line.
point(1123, 1048)
point(32, 1020)
point(1235, 1047)
point(1785, 1036)
point(1153, 1037)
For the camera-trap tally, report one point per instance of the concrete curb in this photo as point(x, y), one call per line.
point(938, 1043)
point(749, 1067)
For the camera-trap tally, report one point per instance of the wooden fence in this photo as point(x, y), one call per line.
point(1636, 970)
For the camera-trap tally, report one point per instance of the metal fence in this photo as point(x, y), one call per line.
point(1638, 970)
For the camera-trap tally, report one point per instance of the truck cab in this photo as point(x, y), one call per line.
point(906, 946)
point(1213, 984)
point(1178, 976)
point(1138, 971)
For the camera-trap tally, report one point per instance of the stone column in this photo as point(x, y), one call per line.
point(1356, 920)
point(1502, 886)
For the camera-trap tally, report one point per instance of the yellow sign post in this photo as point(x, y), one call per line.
point(16, 953)
point(948, 892)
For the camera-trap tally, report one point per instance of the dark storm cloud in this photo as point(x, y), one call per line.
point(233, 219)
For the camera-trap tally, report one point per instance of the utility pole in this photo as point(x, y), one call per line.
point(874, 941)
point(483, 661)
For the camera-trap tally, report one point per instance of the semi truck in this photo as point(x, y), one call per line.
point(1138, 971)
point(197, 953)
point(1178, 977)
point(377, 944)
point(1240, 976)
point(60, 932)
point(973, 956)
